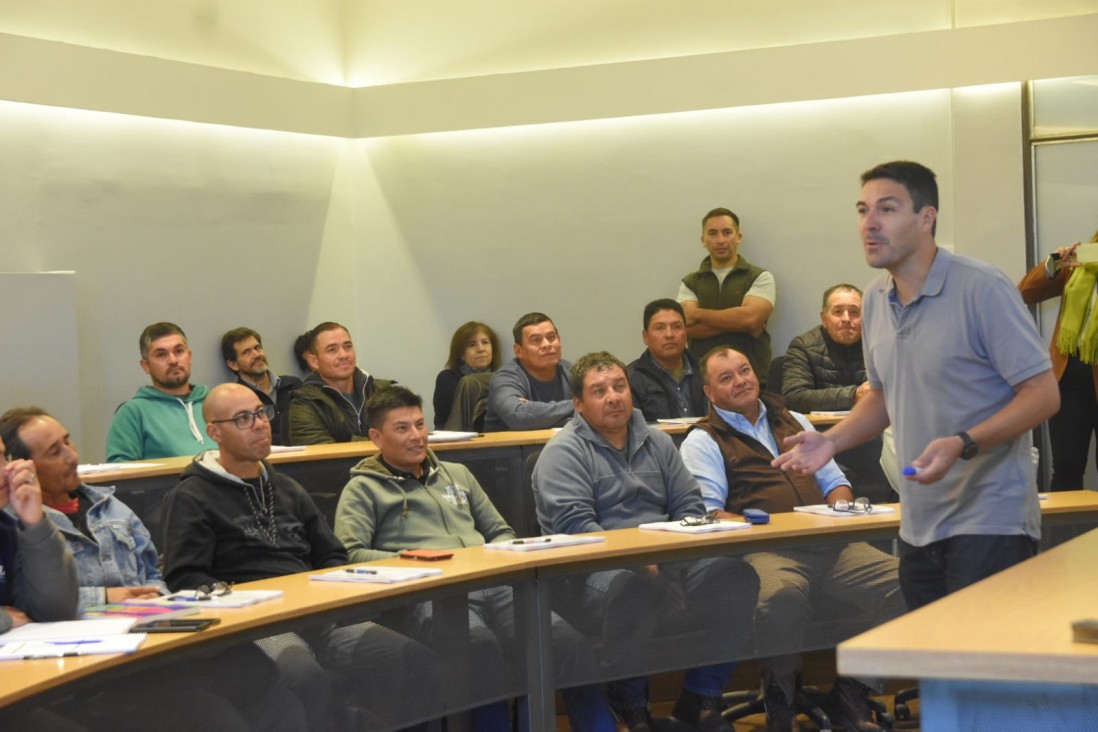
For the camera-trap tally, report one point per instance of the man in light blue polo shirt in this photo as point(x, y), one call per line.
point(955, 364)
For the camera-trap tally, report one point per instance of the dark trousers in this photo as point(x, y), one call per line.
point(929, 573)
point(1072, 428)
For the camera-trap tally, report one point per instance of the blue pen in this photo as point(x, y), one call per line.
point(911, 470)
point(356, 570)
point(72, 642)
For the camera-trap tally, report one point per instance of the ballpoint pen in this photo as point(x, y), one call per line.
point(359, 570)
point(540, 540)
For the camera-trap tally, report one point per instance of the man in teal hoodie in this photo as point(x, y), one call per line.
point(162, 420)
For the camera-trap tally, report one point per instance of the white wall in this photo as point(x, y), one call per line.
point(206, 226)
point(403, 237)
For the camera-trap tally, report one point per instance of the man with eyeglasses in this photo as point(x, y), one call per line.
point(607, 469)
point(729, 452)
point(233, 518)
point(242, 349)
point(161, 419)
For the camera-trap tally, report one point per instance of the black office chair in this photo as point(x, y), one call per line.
point(774, 377)
point(830, 621)
point(470, 404)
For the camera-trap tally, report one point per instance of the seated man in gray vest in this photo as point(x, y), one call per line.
point(728, 300)
point(824, 370)
point(730, 454)
point(531, 391)
point(665, 379)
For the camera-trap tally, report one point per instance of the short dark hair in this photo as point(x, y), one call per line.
point(835, 288)
point(11, 422)
point(155, 332)
point(234, 336)
point(703, 365)
point(720, 212)
point(587, 363)
point(664, 303)
point(301, 344)
point(919, 180)
point(386, 400)
point(526, 321)
point(461, 337)
point(324, 327)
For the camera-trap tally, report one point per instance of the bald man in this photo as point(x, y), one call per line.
point(233, 518)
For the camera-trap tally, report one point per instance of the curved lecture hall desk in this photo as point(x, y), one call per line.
point(503, 463)
point(1012, 615)
point(998, 655)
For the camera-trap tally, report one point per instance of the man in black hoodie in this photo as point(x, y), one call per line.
point(232, 518)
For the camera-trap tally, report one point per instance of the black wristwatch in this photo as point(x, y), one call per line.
point(970, 449)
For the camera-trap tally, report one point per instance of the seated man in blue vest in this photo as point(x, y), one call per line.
point(607, 469)
point(730, 453)
point(728, 300)
point(531, 391)
point(665, 379)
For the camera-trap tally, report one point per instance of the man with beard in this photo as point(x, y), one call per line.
point(161, 420)
point(242, 349)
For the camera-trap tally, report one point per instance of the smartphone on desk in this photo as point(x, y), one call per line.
point(175, 625)
point(426, 555)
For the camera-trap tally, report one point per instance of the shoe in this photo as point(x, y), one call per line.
point(703, 712)
point(636, 719)
point(780, 714)
point(848, 706)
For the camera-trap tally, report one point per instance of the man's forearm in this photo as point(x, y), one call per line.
point(866, 420)
point(739, 319)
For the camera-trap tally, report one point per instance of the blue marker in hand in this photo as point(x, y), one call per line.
point(911, 470)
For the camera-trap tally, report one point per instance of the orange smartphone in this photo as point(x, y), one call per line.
point(426, 555)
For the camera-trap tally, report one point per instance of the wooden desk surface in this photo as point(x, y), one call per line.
point(1014, 626)
point(362, 449)
point(303, 598)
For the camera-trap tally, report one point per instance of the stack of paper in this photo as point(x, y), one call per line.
point(70, 638)
point(822, 509)
point(384, 575)
point(143, 613)
point(449, 436)
point(536, 543)
point(236, 598)
point(677, 526)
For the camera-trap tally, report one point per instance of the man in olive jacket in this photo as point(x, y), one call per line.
point(330, 405)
